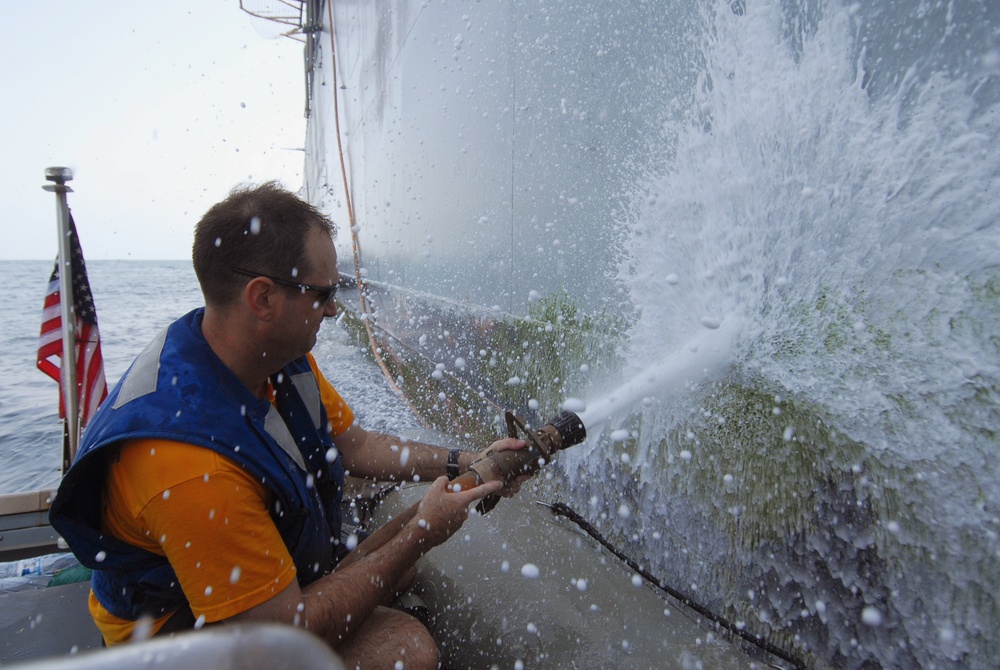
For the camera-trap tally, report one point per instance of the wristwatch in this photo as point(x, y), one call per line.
point(453, 463)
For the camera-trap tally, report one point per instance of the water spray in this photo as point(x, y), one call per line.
point(693, 361)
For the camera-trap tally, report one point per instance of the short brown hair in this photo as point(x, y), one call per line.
point(259, 228)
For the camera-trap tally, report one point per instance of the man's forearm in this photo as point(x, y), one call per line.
point(428, 461)
point(335, 606)
point(390, 458)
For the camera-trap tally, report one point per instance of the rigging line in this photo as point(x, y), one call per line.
point(365, 309)
point(355, 243)
point(563, 510)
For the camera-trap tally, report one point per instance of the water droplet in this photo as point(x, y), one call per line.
point(871, 616)
point(710, 323)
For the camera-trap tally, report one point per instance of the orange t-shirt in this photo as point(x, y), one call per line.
point(208, 516)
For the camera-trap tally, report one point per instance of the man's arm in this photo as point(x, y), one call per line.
point(336, 605)
point(374, 455)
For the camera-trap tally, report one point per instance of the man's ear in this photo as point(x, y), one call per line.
point(260, 296)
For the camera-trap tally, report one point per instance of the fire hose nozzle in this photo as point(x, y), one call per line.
point(568, 427)
point(564, 431)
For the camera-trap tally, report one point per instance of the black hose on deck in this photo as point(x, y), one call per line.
point(563, 510)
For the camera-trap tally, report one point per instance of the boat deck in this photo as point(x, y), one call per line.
point(41, 623)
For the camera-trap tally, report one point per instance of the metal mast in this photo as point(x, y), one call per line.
point(67, 367)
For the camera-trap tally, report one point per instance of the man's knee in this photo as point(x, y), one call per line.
point(391, 639)
point(418, 648)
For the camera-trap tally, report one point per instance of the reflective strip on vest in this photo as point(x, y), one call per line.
point(305, 383)
point(276, 428)
point(141, 379)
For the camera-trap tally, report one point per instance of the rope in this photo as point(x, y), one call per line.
point(356, 246)
point(563, 510)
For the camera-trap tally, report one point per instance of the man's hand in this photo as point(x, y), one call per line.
point(505, 444)
point(442, 511)
point(508, 443)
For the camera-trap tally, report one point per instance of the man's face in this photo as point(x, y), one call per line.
point(306, 310)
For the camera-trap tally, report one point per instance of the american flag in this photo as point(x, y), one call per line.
point(90, 383)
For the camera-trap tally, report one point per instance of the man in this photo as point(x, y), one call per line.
point(208, 484)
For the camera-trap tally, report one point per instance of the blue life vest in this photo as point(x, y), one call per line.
point(178, 389)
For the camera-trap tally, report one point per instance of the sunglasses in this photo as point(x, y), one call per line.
point(324, 293)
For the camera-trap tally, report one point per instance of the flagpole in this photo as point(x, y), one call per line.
point(67, 369)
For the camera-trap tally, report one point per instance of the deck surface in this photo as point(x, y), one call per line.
point(46, 622)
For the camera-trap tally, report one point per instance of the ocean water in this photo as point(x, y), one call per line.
point(134, 299)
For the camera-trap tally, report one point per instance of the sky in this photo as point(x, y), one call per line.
point(159, 108)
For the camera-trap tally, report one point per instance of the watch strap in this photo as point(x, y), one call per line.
point(452, 469)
